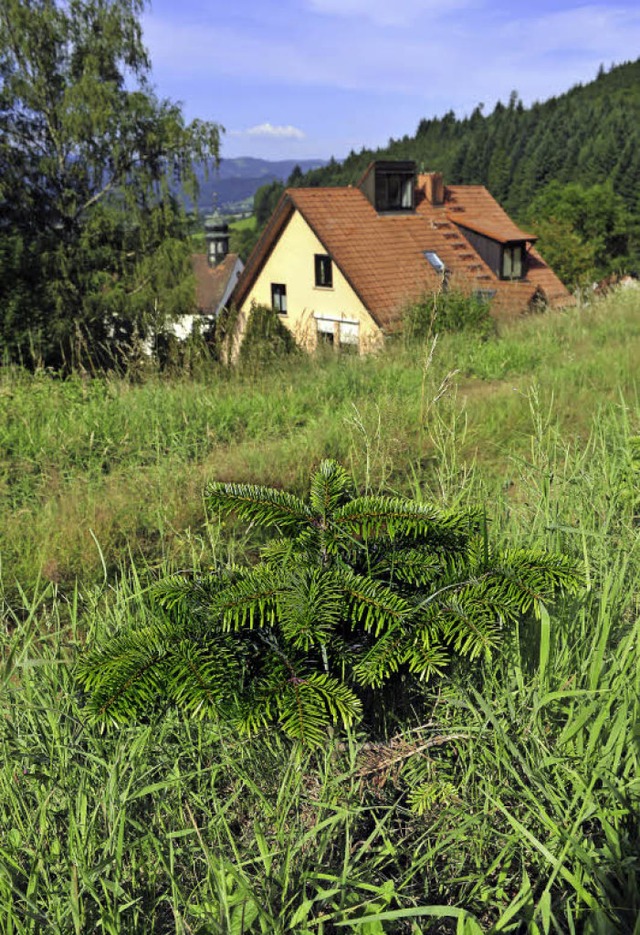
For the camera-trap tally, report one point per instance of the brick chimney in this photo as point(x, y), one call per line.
point(434, 188)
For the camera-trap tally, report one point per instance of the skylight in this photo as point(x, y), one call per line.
point(435, 261)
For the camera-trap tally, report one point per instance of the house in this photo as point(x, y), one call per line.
point(216, 274)
point(340, 265)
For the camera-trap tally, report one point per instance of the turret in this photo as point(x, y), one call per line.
point(216, 232)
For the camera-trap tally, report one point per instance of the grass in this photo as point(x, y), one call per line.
point(97, 470)
point(248, 223)
point(509, 803)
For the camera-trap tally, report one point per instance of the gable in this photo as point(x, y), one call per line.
point(290, 266)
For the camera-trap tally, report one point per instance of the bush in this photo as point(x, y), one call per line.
point(266, 339)
point(448, 311)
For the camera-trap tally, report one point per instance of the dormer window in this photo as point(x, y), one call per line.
point(390, 186)
point(394, 191)
point(512, 261)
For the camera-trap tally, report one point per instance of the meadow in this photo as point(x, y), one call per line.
point(506, 802)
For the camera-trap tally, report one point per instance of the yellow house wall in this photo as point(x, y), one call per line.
point(292, 263)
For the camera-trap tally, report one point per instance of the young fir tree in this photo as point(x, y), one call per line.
point(353, 594)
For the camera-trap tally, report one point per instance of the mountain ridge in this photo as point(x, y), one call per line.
point(231, 185)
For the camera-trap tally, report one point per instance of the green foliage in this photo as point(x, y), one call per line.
point(266, 339)
point(123, 463)
point(93, 243)
point(353, 593)
point(515, 795)
point(448, 311)
point(588, 137)
point(570, 257)
point(585, 232)
point(265, 200)
point(243, 239)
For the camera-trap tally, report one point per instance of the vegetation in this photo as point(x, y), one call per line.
point(449, 310)
point(469, 754)
point(265, 339)
point(357, 594)
point(93, 244)
point(504, 799)
point(110, 469)
point(244, 236)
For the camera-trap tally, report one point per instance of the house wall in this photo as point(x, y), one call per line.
point(292, 263)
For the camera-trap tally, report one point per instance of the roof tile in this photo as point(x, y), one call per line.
point(211, 281)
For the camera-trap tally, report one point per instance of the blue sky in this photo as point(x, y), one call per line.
point(314, 78)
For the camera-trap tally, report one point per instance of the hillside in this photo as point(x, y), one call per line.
point(568, 169)
point(589, 135)
point(502, 793)
point(234, 183)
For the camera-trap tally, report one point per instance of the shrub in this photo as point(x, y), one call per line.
point(448, 311)
point(266, 339)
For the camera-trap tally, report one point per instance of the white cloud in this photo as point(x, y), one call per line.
point(274, 132)
point(383, 13)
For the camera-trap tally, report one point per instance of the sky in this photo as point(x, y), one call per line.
point(307, 79)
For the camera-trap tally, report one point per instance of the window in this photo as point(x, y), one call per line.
point(339, 334)
point(484, 295)
point(349, 337)
point(512, 262)
point(325, 338)
point(432, 257)
point(326, 332)
point(394, 191)
point(279, 298)
point(324, 271)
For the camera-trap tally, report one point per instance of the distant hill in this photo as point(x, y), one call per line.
point(589, 135)
point(233, 184)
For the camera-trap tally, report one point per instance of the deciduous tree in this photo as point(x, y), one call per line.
point(89, 158)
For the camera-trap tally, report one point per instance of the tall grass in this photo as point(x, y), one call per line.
point(509, 803)
point(94, 471)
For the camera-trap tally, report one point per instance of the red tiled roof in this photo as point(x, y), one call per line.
point(474, 207)
point(211, 281)
point(383, 255)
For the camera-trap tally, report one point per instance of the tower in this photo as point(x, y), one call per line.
point(216, 232)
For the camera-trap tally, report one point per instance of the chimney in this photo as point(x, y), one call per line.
point(216, 233)
point(434, 188)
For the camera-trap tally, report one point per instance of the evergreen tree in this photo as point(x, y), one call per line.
point(584, 136)
point(354, 594)
point(265, 201)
